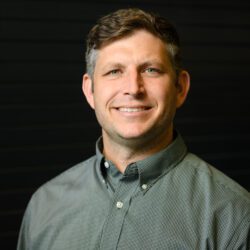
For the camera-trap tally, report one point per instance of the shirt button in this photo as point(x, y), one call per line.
point(119, 204)
point(106, 164)
point(144, 186)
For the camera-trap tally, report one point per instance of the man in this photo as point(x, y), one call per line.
point(142, 189)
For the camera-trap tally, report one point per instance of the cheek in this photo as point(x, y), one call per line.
point(106, 90)
point(168, 102)
point(103, 96)
point(165, 95)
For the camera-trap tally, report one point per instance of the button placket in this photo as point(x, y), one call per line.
point(118, 211)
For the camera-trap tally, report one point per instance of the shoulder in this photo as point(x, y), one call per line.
point(71, 175)
point(69, 182)
point(215, 186)
point(222, 199)
point(49, 203)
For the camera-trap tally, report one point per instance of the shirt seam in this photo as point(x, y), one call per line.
point(242, 225)
point(218, 182)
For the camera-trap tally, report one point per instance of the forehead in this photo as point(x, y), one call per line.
point(138, 46)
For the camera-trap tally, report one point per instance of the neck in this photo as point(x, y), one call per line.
point(124, 152)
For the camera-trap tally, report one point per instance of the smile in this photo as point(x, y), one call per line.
point(130, 110)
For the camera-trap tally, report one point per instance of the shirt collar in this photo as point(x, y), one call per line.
point(153, 167)
point(159, 164)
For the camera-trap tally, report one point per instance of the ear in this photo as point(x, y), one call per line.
point(87, 89)
point(183, 85)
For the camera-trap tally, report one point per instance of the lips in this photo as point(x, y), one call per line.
point(132, 109)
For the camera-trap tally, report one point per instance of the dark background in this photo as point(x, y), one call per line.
point(45, 123)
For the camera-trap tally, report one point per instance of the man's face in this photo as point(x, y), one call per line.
point(135, 94)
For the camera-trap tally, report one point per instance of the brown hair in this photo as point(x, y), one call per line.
point(122, 23)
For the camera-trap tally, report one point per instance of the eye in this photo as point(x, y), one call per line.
point(152, 71)
point(114, 72)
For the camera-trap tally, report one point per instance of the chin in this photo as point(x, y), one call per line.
point(132, 134)
point(134, 137)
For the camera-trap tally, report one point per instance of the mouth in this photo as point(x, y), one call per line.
point(132, 109)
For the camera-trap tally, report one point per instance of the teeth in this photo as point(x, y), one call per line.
point(131, 109)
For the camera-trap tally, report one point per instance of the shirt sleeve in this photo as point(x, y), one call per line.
point(23, 238)
point(241, 239)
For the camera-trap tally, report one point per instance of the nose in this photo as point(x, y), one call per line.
point(134, 83)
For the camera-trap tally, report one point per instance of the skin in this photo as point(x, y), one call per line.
point(136, 93)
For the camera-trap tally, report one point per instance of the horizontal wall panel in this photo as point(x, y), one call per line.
point(43, 116)
point(223, 56)
point(233, 14)
point(219, 36)
point(240, 175)
point(40, 94)
point(15, 200)
point(75, 31)
point(74, 53)
point(235, 146)
point(47, 71)
point(51, 155)
point(212, 125)
point(42, 52)
point(56, 10)
point(9, 221)
point(224, 71)
point(25, 180)
point(42, 136)
point(38, 31)
point(9, 240)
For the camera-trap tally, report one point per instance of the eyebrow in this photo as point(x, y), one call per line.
point(151, 62)
point(112, 65)
point(140, 65)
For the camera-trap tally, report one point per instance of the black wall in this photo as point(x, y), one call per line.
point(45, 123)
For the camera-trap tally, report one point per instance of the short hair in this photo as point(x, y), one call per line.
point(124, 22)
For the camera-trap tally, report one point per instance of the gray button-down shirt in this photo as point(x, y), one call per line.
point(170, 200)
